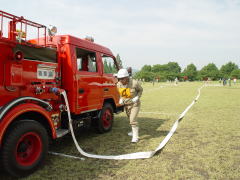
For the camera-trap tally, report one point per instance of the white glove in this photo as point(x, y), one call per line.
point(135, 99)
point(120, 101)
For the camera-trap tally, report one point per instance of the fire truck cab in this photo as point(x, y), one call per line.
point(33, 73)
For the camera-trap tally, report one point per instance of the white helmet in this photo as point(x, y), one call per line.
point(122, 73)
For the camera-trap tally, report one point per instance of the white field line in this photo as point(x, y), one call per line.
point(66, 155)
point(214, 85)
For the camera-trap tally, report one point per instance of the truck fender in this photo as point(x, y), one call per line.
point(11, 104)
point(18, 110)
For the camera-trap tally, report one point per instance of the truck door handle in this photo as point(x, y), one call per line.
point(81, 90)
point(106, 89)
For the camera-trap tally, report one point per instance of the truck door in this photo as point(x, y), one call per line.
point(88, 76)
point(109, 81)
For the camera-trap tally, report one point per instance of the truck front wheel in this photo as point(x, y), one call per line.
point(105, 120)
point(25, 148)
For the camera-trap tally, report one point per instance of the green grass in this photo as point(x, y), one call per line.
point(206, 144)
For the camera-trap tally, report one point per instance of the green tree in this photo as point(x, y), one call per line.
point(209, 71)
point(171, 76)
point(161, 76)
point(146, 75)
point(174, 67)
point(227, 69)
point(147, 68)
point(119, 61)
point(235, 73)
point(160, 68)
point(191, 72)
point(111, 68)
point(106, 68)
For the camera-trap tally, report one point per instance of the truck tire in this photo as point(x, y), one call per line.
point(105, 120)
point(25, 148)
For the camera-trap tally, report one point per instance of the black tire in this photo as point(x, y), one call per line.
point(24, 148)
point(105, 120)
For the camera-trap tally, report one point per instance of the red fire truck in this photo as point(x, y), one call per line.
point(33, 72)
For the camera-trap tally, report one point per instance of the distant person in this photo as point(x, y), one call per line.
point(209, 80)
point(229, 81)
point(224, 82)
point(153, 82)
point(176, 81)
point(234, 81)
point(130, 92)
point(220, 81)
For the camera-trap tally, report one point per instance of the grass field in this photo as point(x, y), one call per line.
point(206, 144)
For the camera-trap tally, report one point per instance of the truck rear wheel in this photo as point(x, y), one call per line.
point(25, 148)
point(105, 120)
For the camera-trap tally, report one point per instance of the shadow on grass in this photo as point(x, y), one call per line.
point(115, 142)
point(149, 128)
point(116, 139)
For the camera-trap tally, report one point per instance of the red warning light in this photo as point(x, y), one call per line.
point(18, 55)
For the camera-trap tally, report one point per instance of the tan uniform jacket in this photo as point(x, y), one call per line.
point(129, 91)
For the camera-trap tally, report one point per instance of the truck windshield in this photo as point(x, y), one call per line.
point(109, 66)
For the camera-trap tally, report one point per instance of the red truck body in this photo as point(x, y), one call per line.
point(32, 72)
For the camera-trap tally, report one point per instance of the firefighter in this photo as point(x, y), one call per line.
point(129, 70)
point(130, 92)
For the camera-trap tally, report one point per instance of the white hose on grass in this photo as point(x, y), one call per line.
point(137, 155)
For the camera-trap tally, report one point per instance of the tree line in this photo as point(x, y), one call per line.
point(171, 70)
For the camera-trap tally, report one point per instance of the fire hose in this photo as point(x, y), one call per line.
point(137, 155)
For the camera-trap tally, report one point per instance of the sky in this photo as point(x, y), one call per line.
point(146, 31)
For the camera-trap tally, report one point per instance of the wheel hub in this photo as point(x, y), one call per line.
point(28, 149)
point(107, 117)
